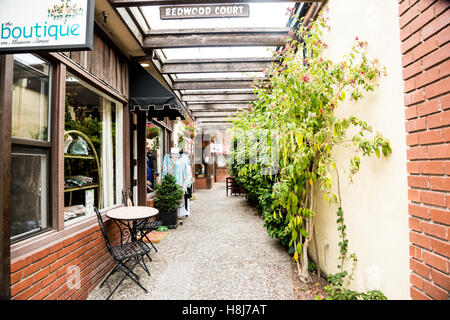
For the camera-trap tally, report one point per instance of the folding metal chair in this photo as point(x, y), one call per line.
point(229, 185)
point(143, 228)
point(122, 254)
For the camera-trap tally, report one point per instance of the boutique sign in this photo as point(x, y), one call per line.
point(204, 11)
point(46, 25)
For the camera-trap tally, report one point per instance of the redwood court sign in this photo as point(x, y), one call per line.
point(46, 25)
point(204, 11)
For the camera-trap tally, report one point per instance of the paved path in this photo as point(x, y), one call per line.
point(222, 251)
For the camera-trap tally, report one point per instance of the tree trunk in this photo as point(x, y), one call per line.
point(303, 273)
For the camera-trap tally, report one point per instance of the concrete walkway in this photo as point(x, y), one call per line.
point(222, 251)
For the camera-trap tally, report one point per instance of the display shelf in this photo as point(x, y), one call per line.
point(93, 156)
point(74, 156)
point(91, 186)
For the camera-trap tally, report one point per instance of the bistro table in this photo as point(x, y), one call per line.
point(128, 219)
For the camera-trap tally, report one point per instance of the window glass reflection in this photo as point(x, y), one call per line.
point(29, 192)
point(30, 108)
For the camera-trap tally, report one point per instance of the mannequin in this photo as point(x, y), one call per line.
point(174, 151)
point(179, 166)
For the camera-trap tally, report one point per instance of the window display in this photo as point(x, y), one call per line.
point(91, 160)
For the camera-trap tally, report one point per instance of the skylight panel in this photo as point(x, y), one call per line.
point(223, 52)
point(250, 75)
point(261, 15)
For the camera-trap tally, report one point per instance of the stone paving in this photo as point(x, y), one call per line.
point(222, 251)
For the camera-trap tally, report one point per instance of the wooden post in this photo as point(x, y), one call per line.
point(6, 85)
point(57, 138)
point(207, 154)
point(141, 159)
point(127, 133)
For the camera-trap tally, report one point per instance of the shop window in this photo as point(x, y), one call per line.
point(30, 109)
point(29, 191)
point(31, 147)
point(92, 152)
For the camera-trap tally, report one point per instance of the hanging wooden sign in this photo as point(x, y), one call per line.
point(204, 11)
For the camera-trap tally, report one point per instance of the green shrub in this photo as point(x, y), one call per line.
point(168, 194)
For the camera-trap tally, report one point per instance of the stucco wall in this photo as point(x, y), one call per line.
point(375, 205)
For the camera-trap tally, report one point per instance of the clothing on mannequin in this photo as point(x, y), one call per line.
point(178, 164)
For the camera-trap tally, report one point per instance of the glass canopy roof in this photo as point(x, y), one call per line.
point(212, 73)
point(260, 15)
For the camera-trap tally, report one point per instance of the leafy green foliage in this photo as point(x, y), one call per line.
point(88, 123)
point(295, 115)
point(85, 122)
point(337, 289)
point(152, 131)
point(168, 194)
point(312, 266)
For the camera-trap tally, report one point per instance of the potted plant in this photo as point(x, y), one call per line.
point(168, 199)
point(190, 128)
point(152, 131)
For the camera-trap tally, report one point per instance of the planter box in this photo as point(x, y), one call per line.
point(200, 183)
point(169, 219)
point(151, 199)
point(222, 177)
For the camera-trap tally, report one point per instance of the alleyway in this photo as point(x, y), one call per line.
point(222, 251)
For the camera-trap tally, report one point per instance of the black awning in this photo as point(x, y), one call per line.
point(148, 94)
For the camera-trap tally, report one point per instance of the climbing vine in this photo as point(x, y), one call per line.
point(294, 118)
point(337, 289)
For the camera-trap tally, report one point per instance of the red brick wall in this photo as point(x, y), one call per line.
point(425, 47)
point(222, 174)
point(44, 274)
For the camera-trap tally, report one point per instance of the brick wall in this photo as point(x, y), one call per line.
point(222, 174)
point(46, 273)
point(425, 47)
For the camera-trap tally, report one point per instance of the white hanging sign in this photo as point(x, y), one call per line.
point(46, 25)
point(216, 147)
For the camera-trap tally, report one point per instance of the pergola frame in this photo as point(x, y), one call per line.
point(141, 3)
point(208, 107)
point(214, 83)
point(219, 65)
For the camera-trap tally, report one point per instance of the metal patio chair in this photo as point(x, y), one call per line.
point(143, 228)
point(134, 251)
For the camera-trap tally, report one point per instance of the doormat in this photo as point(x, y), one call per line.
point(156, 236)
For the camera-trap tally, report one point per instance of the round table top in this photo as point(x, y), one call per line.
point(132, 213)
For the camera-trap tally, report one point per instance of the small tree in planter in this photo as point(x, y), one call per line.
point(168, 198)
